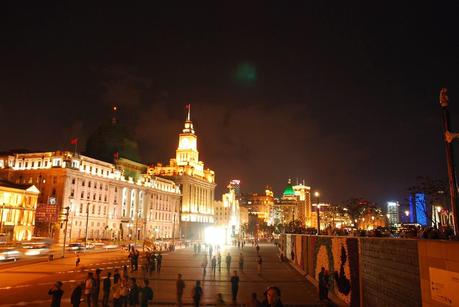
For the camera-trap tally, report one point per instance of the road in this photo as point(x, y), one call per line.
point(27, 285)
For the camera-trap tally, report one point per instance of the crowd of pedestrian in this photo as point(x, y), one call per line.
point(119, 288)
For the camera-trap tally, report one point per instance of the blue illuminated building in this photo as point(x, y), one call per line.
point(418, 209)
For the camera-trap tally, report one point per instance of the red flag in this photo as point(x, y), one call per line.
point(74, 141)
point(188, 106)
point(116, 155)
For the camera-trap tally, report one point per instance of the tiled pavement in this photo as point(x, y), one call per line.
point(294, 287)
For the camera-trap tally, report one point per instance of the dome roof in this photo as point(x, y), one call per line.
point(109, 139)
point(289, 190)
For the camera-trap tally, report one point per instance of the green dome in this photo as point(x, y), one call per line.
point(109, 139)
point(289, 191)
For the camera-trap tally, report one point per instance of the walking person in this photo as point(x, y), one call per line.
point(219, 262)
point(258, 249)
point(213, 264)
point(197, 294)
point(160, 260)
point(322, 284)
point(180, 286)
point(96, 289)
point(259, 261)
point(133, 296)
point(77, 261)
point(107, 284)
point(241, 263)
point(75, 298)
point(204, 264)
point(88, 289)
point(234, 286)
point(228, 262)
point(56, 293)
point(146, 294)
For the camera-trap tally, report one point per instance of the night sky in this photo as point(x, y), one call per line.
point(344, 96)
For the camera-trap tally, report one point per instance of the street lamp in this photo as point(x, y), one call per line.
point(407, 214)
point(86, 231)
point(317, 195)
point(66, 214)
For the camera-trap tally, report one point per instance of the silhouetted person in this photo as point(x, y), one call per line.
point(77, 292)
point(146, 294)
point(234, 286)
point(180, 286)
point(56, 294)
point(228, 262)
point(197, 294)
point(107, 284)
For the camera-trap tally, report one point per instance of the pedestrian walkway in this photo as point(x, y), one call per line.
point(295, 290)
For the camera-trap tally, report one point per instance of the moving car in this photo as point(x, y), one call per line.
point(9, 253)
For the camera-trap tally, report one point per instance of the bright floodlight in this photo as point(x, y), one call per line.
point(215, 235)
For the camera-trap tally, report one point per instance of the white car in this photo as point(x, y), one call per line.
point(9, 254)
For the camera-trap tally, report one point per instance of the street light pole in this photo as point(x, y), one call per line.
point(450, 159)
point(316, 194)
point(65, 229)
point(86, 231)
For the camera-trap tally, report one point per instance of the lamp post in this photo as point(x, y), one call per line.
point(407, 214)
point(67, 209)
point(86, 230)
point(450, 159)
point(316, 194)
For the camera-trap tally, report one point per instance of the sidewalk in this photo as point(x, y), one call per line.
point(295, 290)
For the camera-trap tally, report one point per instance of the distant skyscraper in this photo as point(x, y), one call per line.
point(393, 211)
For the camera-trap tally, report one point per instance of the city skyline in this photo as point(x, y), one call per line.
point(344, 97)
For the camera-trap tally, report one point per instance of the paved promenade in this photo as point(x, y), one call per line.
point(27, 285)
point(294, 288)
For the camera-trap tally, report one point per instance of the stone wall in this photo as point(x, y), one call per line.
point(390, 272)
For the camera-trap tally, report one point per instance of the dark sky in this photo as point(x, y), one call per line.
point(342, 95)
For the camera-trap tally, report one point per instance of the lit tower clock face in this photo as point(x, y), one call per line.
point(186, 143)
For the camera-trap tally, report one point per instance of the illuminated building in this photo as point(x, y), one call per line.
point(106, 200)
point(295, 204)
point(259, 205)
point(197, 183)
point(18, 203)
point(236, 186)
point(227, 213)
point(243, 215)
point(393, 212)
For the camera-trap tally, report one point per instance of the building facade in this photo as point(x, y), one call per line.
point(393, 212)
point(196, 183)
point(105, 200)
point(259, 204)
point(227, 214)
point(18, 203)
point(295, 204)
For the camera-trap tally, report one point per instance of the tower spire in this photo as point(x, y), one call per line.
point(188, 117)
point(114, 110)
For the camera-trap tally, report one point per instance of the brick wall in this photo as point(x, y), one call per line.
point(389, 270)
